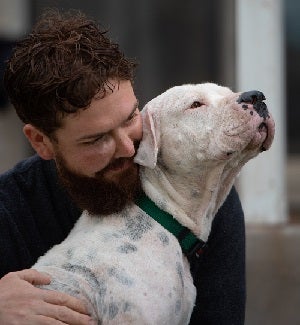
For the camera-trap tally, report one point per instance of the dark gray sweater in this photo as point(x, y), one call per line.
point(36, 213)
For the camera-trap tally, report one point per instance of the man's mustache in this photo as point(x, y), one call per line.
point(116, 163)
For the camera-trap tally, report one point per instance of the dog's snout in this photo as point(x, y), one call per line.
point(255, 98)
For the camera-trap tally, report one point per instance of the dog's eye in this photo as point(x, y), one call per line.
point(196, 104)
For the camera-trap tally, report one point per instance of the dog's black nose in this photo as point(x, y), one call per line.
point(256, 98)
point(251, 97)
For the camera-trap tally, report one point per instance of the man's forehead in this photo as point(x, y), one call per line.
point(103, 114)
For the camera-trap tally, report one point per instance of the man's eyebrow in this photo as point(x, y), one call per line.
point(100, 134)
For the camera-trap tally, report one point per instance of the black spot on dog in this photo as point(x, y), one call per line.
point(127, 307)
point(178, 307)
point(179, 270)
point(137, 226)
point(113, 310)
point(70, 253)
point(120, 276)
point(164, 238)
point(127, 248)
point(71, 288)
point(88, 275)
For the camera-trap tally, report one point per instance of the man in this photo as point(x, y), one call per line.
point(72, 88)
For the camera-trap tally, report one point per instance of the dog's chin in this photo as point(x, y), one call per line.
point(263, 137)
point(258, 140)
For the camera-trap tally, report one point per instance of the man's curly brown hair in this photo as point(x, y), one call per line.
point(59, 68)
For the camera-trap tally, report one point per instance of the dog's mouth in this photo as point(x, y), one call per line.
point(263, 136)
point(263, 129)
point(267, 127)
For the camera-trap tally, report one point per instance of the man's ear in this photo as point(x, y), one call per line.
point(40, 142)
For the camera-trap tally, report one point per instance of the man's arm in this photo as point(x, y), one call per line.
point(219, 274)
point(23, 303)
point(34, 215)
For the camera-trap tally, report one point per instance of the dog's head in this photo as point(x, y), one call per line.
point(191, 126)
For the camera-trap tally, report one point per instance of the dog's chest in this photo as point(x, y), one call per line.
point(127, 267)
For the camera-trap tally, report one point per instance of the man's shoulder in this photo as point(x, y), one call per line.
point(32, 188)
point(35, 212)
point(30, 163)
point(27, 169)
point(32, 174)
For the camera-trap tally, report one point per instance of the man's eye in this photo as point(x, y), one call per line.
point(94, 141)
point(131, 117)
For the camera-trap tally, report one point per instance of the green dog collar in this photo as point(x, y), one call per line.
point(189, 243)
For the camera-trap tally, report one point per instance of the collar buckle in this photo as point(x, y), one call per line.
point(197, 250)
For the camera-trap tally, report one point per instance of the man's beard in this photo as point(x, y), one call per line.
point(99, 195)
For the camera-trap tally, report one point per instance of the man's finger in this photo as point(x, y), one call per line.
point(62, 299)
point(66, 315)
point(40, 319)
point(32, 276)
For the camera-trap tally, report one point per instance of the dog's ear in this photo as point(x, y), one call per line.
point(148, 149)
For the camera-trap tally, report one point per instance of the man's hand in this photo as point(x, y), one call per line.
point(22, 303)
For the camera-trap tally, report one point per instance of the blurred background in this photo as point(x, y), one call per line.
point(243, 44)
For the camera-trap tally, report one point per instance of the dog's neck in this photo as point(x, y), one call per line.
point(192, 200)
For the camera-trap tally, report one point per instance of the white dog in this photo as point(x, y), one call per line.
point(127, 267)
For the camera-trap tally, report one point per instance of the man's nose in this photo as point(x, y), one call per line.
point(124, 145)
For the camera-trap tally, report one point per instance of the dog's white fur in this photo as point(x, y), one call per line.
point(127, 267)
